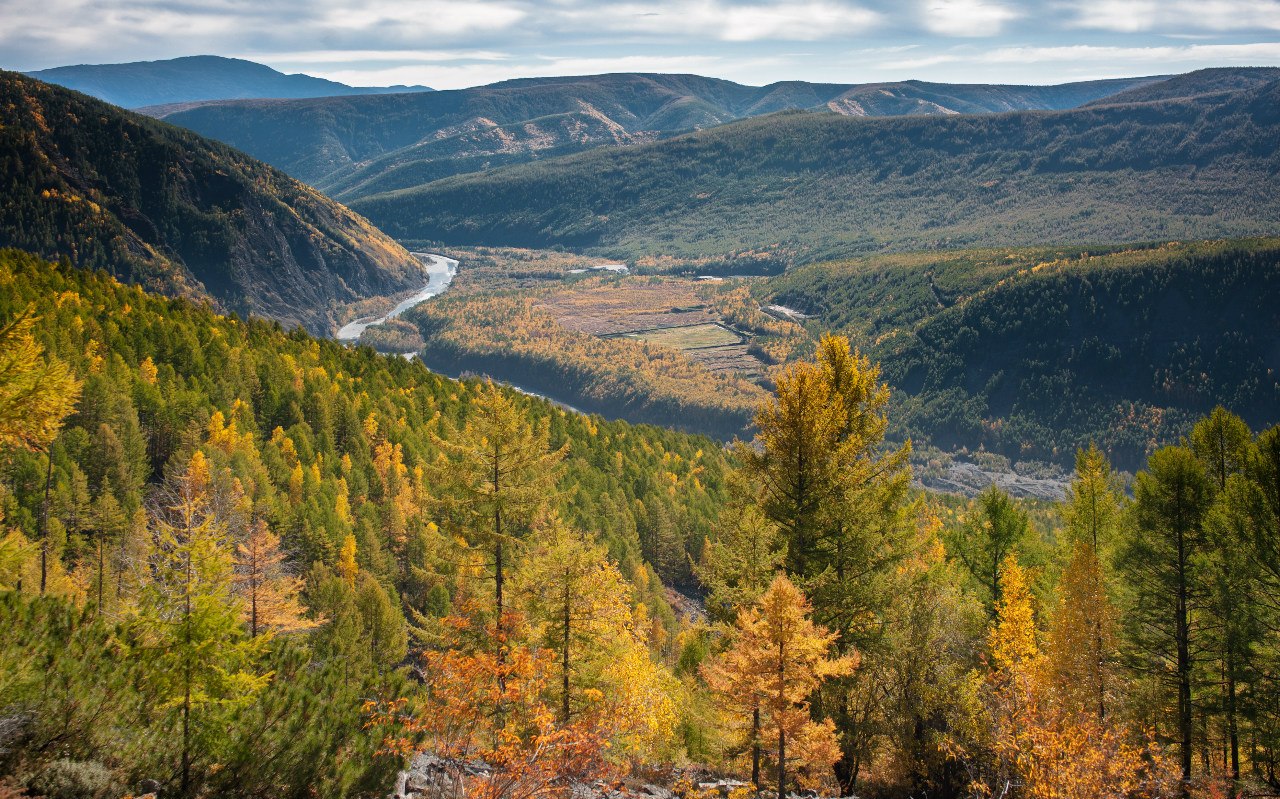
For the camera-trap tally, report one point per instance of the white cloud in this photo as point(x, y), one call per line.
point(1252, 53)
point(966, 17)
point(810, 20)
point(423, 17)
point(1131, 16)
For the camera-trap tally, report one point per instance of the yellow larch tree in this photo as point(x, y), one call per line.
point(347, 566)
point(781, 656)
point(269, 594)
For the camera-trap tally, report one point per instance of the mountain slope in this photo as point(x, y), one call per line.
point(163, 207)
point(350, 147)
point(1195, 84)
point(811, 186)
point(192, 78)
point(1033, 353)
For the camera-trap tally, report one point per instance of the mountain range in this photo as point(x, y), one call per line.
point(809, 186)
point(161, 206)
point(194, 78)
point(352, 147)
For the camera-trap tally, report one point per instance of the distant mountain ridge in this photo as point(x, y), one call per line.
point(814, 186)
point(352, 147)
point(196, 78)
point(158, 205)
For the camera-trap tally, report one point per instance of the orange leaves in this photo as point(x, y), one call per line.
point(486, 704)
point(779, 657)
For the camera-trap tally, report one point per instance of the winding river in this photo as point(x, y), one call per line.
point(440, 273)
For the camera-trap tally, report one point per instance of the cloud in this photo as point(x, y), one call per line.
point(1131, 16)
point(810, 20)
point(966, 17)
point(1256, 52)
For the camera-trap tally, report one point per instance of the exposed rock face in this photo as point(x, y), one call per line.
point(160, 206)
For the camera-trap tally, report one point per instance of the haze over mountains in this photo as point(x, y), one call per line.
point(163, 207)
point(192, 78)
point(355, 146)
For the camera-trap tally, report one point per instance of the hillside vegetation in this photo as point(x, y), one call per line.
point(353, 147)
point(813, 186)
point(1033, 353)
point(240, 562)
point(161, 206)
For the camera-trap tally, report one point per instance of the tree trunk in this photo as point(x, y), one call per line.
point(564, 662)
point(1183, 635)
point(782, 731)
point(44, 521)
point(782, 763)
point(186, 688)
point(101, 566)
point(755, 746)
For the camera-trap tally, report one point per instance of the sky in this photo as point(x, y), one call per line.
point(449, 44)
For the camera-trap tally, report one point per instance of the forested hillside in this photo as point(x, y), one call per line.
point(1033, 353)
point(340, 474)
point(811, 186)
point(353, 147)
point(244, 562)
point(162, 207)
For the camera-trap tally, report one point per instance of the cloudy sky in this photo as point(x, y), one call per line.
point(458, 43)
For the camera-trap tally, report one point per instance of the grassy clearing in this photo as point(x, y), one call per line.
point(690, 337)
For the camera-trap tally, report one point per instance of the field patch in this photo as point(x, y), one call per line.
point(689, 337)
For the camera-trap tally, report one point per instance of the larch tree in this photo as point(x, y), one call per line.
point(347, 566)
point(984, 543)
point(781, 656)
point(499, 470)
point(576, 601)
point(109, 524)
point(1094, 506)
point(1160, 560)
point(822, 475)
point(189, 619)
point(1082, 637)
point(738, 564)
point(36, 394)
point(1221, 441)
point(268, 592)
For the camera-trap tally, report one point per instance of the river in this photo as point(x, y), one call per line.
point(440, 272)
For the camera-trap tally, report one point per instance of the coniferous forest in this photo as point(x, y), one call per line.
point(893, 440)
point(242, 561)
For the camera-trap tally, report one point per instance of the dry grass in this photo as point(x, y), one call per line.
point(689, 337)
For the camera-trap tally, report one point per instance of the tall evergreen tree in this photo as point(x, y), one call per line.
point(189, 620)
point(1159, 558)
point(500, 469)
